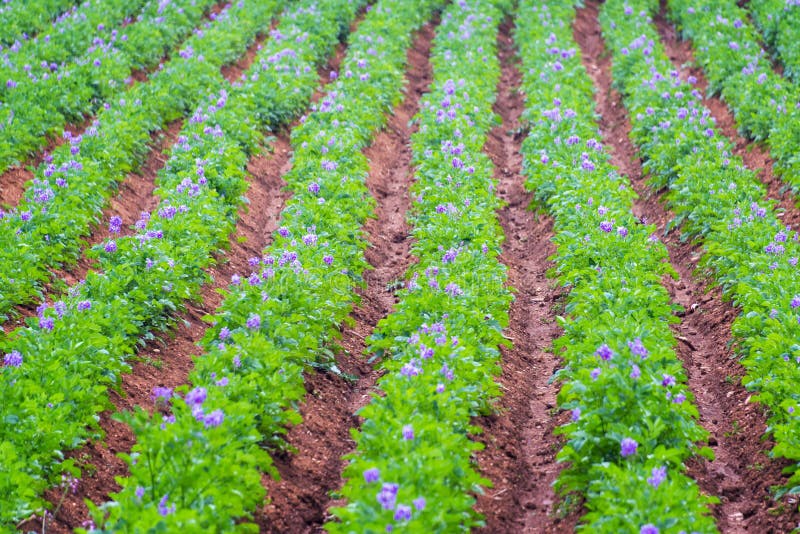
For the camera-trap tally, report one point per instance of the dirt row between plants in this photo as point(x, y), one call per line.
point(12, 181)
point(311, 476)
point(168, 360)
point(741, 474)
point(519, 457)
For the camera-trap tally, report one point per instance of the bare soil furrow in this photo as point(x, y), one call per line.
point(742, 473)
point(301, 497)
point(520, 452)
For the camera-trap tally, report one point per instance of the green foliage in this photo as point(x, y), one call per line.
point(753, 256)
point(22, 19)
point(728, 48)
point(69, 191)
point(77, 348)
point(412, 469)
point(779, 22)
point(621, 377)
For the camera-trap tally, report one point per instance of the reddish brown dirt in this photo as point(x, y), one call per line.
point(301, 498)
point(756, 156)
point(741, 474)
point(519, 457)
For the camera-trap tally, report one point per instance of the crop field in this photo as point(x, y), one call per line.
point(367, 266)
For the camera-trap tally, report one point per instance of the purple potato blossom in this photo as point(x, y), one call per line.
point(657, 476)
point(371, 475)
point(627, 447)
point(387, 497)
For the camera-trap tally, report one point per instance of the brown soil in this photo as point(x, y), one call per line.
point(301, 498)
point(741, 474)
point(519, 457)
point(756, 156)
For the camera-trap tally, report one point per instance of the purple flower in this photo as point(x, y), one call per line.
point(237, 361)
point(196, 397)
point(313, 188)
point(408, 432)
point(371, 475)
point(387, 497)
point(453, 290)
point(657, 476)
point(224, 333)
point(328, 259)
point(635, 372)
point(576, 414)
point(668, 381)
point(419, 503)
point(115, 224)
point(139, 492)
point(410, 369)
point(403, 513)
point(13, 359)
point(604, 352)
point(627, 447)
point(161, 393)
point(679, 398)
point(46, 323)
point(214, 419)
point(440, 388)
point(606, 226)
point(637, 348)
point(795, 301)
point(110, 246)
point(595, 373)
point(163, 509)
point(648, 529)
point(253, 322)
point(84, 305)
point(329, 165)
point(622, 231)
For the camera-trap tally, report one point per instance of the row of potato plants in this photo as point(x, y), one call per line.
point(22, 20)
point(632, 421)
point(779, 22)
point(56, 370)
point(749, 252)
point(766, 105)
point(89, 24)
point(274, 322)
point(412, 468)
point(37, 109)
point(71, 187)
